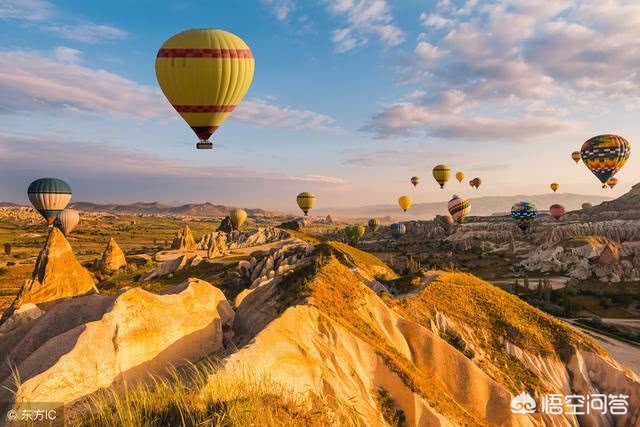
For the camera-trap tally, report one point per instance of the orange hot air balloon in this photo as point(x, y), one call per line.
point(204, 74)
point(611, 182)
point(554, 186)
point(459, 176)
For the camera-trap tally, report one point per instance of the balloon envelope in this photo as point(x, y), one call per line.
point(554, 186)
point(306, 201)
point(415, 180)
point(475, 182)
point(459, 208)
point(587, 206)
point(405, 202)
point(556, 211)
point(238, 217)
point(442, 174)
point(605, 155)
point(204, 74)
point(67, 220)
point(459, 176)
point(611, 182)
point(576, 156)
point(524, 213)
point(397, 230)
point(49, 196)
point(373, 224)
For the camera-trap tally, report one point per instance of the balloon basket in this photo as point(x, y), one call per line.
point(204, 145)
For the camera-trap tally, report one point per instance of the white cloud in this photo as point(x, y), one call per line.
point(27, 10)
point(515, 62)
point(86, 32)
point(282, 9)
point(66, 54)
point(365, 18)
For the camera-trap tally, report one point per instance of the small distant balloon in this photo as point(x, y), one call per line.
point(67, 220)
point(612, 182)
point(523, 213)
point(459, 176)
point(49, 196)
point(306, 201)
point(405, 202)
point(554, 186)
point(459, 208)
point(415, 180)
point(398, 229)
point(586, 206)
point(442, 174)
point(238, 217)
point(475, 182)
point(556, 211)
point(373, 224)
point(576, 156)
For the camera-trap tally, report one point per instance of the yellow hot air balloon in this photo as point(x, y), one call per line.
point(576, 156)
point(238, 217)
point(554, 186)
point(442, 173)
point(306, 201)
point(405, 202)
point(204, 74)
point(459, 176)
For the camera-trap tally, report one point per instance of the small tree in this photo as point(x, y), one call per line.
point(7, 249)
point(526, 282)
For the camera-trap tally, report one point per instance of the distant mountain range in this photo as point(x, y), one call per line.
point(627, 202)
point(480, 206)
point(156, 208)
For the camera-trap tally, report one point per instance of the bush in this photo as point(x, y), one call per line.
point(7, 249)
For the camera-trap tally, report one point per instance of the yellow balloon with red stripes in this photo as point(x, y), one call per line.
point(204, 74)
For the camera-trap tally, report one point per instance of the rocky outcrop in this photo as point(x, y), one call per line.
point(226, 225)
point(214, 243)
point(20, 214)
point(221, 243)
point(617, 231)
point(81, 345)
point(293, 225)
point(113, 258)
point(181, 262)
point(184, 240)
point(57, 274)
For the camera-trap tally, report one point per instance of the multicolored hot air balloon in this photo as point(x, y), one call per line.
point(556, 211)
point(459, 176)
point(605, 155)
point(576, 156)
point(415, 180)
point(442, 174)
point(238, 217)
point(204, 74)
point(475, 182)
point(611, 182)
point(306, 201)
point(405, 202)
point(554, 186)
point(398, 229)
point(524, 213)
point(373, 224)
point(49, 196)
point(67, 220)
point(459, 208)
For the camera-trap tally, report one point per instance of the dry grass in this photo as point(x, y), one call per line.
point(203, 396)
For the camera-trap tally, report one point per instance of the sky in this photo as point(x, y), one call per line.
point(350, 98)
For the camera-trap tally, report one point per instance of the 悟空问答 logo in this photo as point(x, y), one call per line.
point(523, 404)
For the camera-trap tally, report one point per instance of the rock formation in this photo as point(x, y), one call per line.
point(113, 258)
point(184, 240)
point(176, 264)
point(226, 226)
point(57, 274)
point(291, 225)
point(83, 344)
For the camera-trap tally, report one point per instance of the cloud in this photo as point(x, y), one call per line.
point(43, 16)
point(365, 18)
point(33, 81)
point(318, 178)
point(261, 113)
point(25, 10)
point(282, 9)
point(514, 63)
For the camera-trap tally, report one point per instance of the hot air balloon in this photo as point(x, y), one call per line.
point(524, 213)
point(67, 220)
point(405, 202)
point(475, 182)
point(605, 155)
point(459, 208)
point(415, 180)
point(556, 211)
point(576, 156)
point(441, 173)
point(373, 225)
point(611, 182)
point(359, 231)
point(554, 186)
point(306, 201)
point(586, 206)
point(49, 196)
point(471, 183)
point(459, 176)
point(398, 229)
point(204, 74)
point(238, 217)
